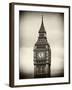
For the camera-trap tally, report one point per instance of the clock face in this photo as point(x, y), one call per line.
point(41, 55)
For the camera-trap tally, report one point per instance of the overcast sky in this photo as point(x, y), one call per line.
point(30, 23)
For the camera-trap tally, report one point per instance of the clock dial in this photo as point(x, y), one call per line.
point(41, 55)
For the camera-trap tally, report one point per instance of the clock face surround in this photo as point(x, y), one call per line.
point(41, 55)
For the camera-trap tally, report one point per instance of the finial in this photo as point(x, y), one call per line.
point(42, 17)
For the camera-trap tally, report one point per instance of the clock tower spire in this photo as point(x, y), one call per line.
point(42, 54)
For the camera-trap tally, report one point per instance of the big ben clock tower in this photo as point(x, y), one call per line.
point(42, 55)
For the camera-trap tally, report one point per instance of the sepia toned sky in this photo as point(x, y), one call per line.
point(30, 23)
